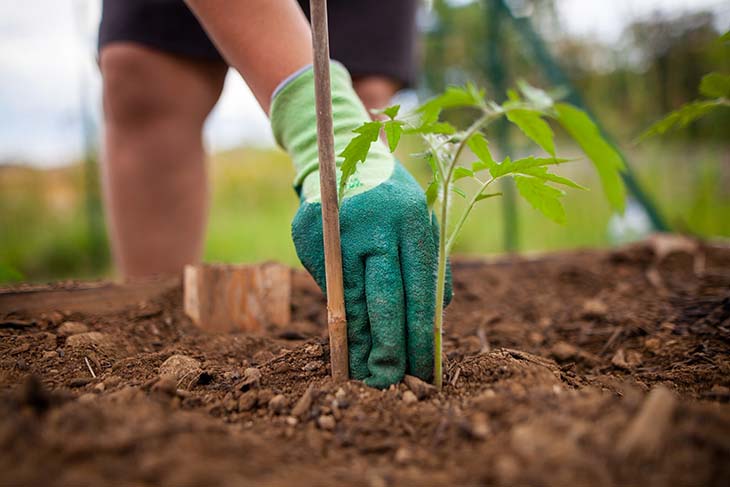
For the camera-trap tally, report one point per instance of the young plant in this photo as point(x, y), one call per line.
point(715, 89)
point(446, 148)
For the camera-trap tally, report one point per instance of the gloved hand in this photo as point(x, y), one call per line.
point(389, 240)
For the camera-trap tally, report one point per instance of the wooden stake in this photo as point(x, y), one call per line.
point(336, 318)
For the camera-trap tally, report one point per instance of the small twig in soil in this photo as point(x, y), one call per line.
point(614, 336)
point(93, 374)
point(482, 335)
point(456, 376)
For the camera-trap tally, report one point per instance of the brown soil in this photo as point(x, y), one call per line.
point(582, 368)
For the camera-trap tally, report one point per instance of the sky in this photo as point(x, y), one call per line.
point(48, 58)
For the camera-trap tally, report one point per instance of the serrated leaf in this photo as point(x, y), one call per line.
point(534, 127)
point(357, 150)
point(461, 173)
point(538, 98)
point(443, 128)
point(458, 191)
point(607, 161)
point(542, 197)
point(432, 192)
point(542, 173)
point(484, 196)
point(480, 147)
point(680, 118)
point(392, 111)
point(393, 130)
point(453, 97)
point(715, 85)
point(508, 166)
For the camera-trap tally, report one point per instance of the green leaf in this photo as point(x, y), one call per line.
point(9, 273)
point(458, 191)
point(607, 161)
point(542, 173)
point(484, 196)
point(480, 147)
point(453, 97)
point(520, 165)
point(357, 150)
point(432, 162)
point(680, 118)
point(533, 127)
point(535, 96)
point(393, 131)
point(432, 192)
point(392, 111)
point(444, 128)
point(715, 85)
point(461, 173)
point(725, 37)
point(542, 197)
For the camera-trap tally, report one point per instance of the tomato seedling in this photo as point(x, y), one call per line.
point(446, 147)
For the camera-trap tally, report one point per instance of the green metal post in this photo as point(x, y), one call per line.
point(496, 74)
point(557, 77)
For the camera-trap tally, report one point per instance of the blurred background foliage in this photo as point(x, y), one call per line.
point(50, 218)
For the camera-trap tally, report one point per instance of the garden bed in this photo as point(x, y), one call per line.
point(574, 368)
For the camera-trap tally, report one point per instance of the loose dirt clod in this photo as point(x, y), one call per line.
point(647, 432)
point(69, 328)
point(89, 339)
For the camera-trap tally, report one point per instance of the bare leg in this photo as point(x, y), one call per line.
point(155, 182)
point(376, 91)
point(264, 40)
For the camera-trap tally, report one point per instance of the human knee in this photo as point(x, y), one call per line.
point(143, 86)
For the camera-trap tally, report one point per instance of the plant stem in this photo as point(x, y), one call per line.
point(440, 290)
point(467, 211)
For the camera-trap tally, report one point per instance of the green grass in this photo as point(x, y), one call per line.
point(44, 233)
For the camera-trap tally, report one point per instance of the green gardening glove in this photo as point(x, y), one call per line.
point(389, 240)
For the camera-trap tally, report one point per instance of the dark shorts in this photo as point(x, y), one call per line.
point(370, 37)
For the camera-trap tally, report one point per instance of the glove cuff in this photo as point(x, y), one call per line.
point(294, 124)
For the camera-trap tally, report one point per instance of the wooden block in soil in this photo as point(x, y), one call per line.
point(248, 298)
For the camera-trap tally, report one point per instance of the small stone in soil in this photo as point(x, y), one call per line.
point(564, 351)
point(326, 422)
point(403, 455)
point(264, 397)
point(49, 355)
point(69, 328)
point(251, 379)
point(409, 397)
point(301, 408)
point(313, 365)
point(315, 350)
point(262, 356)
point(247, 401)
point(420, 388)
point(87, 398)
point(80, 381)
point(278, 404)
point(185, 370)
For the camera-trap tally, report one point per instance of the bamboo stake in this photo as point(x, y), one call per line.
point(336, 318)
